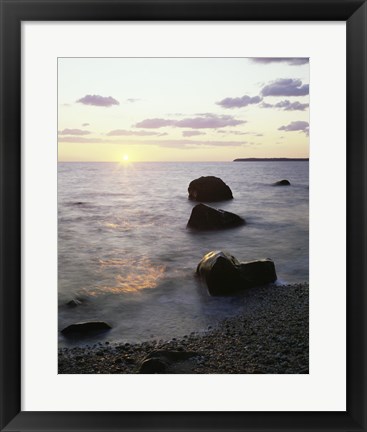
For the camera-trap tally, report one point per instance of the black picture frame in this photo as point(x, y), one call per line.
point(12, 13)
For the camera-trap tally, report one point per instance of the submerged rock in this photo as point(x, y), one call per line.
point(204, 217)
point(85, 328)
point(76, 301)
point(209, 189)
point(282, 183)
point(225, 275)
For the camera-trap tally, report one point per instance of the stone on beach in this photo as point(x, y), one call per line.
point(153, 365)
point(85, 328)
point(282, 183)
point(159, 361)
point(204, 217)
point(209, 189)
point(225, 275)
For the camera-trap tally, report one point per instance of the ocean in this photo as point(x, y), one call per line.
point(125, 252)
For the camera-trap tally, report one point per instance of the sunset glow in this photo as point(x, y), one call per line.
point(182, 109)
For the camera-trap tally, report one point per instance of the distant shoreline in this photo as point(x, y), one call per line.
point(271, 160)
point(132, 162)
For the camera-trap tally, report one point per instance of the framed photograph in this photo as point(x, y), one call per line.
point(182, 215)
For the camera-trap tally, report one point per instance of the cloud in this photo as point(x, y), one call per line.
point(74, 132)
point(192, 133)
point(80, 139)
point(286, 87)
point(291, 106)
point(175, 143)
point(154, 123)
point(85, 124)
point(266, 105)
point(232, 132)
point(203, 121)
point(209, 121)
point(286, 105)
point(96, 100)
point(182, 144)
point(293, 61)
point(122, 132)
point(239, 102)
point(132, 100)
point(301, 126)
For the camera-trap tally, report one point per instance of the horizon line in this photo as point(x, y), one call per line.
point(184, 161)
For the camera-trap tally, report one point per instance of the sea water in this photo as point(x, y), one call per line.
point(124, 249)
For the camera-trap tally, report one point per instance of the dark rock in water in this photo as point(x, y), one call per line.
point(282, 183)
point(204, 217)
point(258, 272)
point(85, 328)
point(220, 272)
point(159, 361)
point(76, 203)
point(209, 189)
point(225, 275)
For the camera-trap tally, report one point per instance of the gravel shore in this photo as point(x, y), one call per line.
point(271, 336)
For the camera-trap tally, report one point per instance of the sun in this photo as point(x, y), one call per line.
point(125, 159)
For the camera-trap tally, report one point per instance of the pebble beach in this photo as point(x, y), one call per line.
point(270, 336)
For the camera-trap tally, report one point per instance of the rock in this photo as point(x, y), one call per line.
point(282, 183)
point(204, 217)
point(172, 356)
point(85, 328)
point(74, 303)
point(152, 366)
point(225, 275)
point(258, 272)
point(161, 360)
point(209, 189)
point(220, 272)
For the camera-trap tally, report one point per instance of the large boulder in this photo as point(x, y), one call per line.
point(204, 217)
point(225, 275)
point(282, 183)
point(85, 328)
point(209, 189)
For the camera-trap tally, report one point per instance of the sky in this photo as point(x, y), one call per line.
point(182, 109)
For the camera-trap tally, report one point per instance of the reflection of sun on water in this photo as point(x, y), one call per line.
point(133, 276)
point(124, 160)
